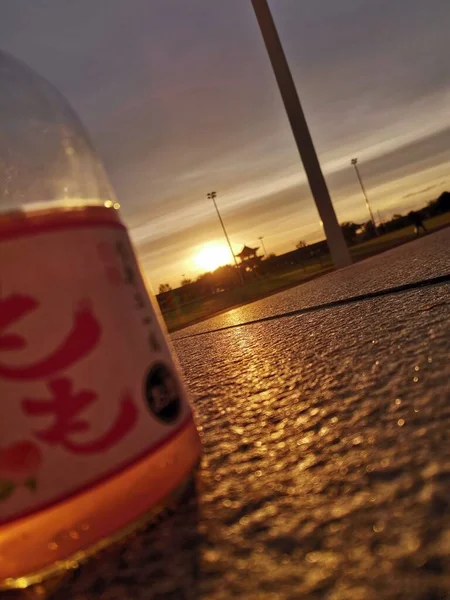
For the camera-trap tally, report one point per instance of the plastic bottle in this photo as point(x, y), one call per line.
point(96, 431)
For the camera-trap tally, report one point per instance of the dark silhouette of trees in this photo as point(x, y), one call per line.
point(397, 222)
point(368, 230)
point(439, 206)
point(350, 229)
point(225, 278)
point(301, 244)
point(164, 287)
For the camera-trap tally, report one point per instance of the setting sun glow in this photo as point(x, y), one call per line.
point(212, 256)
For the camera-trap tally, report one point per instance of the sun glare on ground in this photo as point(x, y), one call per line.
point(212, 256)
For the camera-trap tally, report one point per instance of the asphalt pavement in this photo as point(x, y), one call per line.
point(326, 471)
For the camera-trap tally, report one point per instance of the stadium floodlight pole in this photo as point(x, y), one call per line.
point(335, 238)
point(261, 239)
point(363, 189)
point(212, 196)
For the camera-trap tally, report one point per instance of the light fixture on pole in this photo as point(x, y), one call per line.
point(261, 239)
point(335, 238)
point(355, 164)
point(212, 196)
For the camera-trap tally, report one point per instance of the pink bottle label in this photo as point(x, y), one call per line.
point(88, 385)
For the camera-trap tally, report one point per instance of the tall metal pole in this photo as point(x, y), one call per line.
point(363, 189)
point(261, 238)
point(335, 238)
point(212, 196)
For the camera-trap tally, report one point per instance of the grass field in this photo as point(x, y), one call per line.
point(260, 288)
point(395, 238)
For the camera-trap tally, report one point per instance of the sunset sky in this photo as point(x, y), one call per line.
point(180, 100)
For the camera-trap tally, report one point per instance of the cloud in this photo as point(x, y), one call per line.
point(180, 99)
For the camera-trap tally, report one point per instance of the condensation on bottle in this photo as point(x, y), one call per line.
point(96, 429)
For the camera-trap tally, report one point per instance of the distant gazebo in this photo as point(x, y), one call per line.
point(249, 259)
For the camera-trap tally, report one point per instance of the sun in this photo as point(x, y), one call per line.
point(211, 256)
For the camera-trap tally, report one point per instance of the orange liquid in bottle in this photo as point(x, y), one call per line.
point(50, 541)
point(64, 525)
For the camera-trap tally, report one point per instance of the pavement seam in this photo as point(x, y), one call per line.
point(407, 287)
